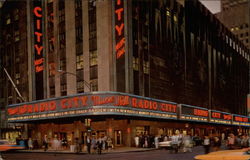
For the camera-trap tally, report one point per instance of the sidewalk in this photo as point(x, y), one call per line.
point(116, 150)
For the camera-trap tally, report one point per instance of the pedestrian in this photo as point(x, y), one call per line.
point(206, 144)
point(187, 143)
point(93, 144)
point(88, 145)
point(45, 143)
point(216, 144)
point(175, 143)
point(156, 139)
point(136, 141)
point(231, 141)
point(109, 143)
point(99, 145)
point(30, 144)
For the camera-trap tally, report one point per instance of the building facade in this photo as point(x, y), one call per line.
point(235, 15)
point(157, 49)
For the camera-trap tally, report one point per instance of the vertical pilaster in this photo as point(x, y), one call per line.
point(104, 43)
point(85, 31)
point(70, 46)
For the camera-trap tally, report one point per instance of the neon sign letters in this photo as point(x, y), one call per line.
point(119, 29)
point(38, 44)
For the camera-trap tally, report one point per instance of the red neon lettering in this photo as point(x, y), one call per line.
point(120, 52)
point(216, 115)
point(140, 104)
point(52, 105)
point(12, 111)
point(38, 49)
point(227, 117)
point(120, 44)
point(199, 112)
point(29, 108)
point(38, 24)
point(36, 108)
point(119, 13)
point(63, 103)
point(83, 100)
point(134, 102)
point(37, 10)
point(39, 35)
point(39, 61)
point(39, 68)
point(118, 2)
point(122, 100)
point(155, 105)
point(22, 109)
point(119, 29)
point(75, 100)
point(146, 104)
point(42, 107)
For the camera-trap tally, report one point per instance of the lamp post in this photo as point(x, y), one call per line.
point(86, 83)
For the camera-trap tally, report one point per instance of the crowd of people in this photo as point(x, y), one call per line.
point(93, 144)
point(185, 142)
point(179, 142)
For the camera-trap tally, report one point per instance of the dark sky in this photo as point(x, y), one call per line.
point(212, 5)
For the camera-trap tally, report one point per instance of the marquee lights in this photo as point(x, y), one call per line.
point(119, 104)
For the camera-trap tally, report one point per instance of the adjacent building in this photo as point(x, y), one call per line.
point(119, 68)
point(235, 15)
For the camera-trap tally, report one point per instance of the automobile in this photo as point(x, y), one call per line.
point(5, 145)
point(239, 154)
point(165, 144)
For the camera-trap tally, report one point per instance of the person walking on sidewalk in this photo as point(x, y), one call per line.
point(99, 145)
point(206, 144)
point(30, 144)
point(45, 143)
point(88, 145)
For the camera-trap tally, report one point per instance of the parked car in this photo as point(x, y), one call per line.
point(6, 145)
point(240, 154)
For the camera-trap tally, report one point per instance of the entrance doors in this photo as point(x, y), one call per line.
point(118, 137)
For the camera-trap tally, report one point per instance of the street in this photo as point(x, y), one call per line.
point(146, 155)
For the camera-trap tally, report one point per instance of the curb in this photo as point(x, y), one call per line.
point(83, 153)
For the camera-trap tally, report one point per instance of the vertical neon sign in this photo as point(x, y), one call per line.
point(38, 48)
point(119, 28)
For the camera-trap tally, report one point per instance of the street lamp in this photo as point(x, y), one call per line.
point(86, 83)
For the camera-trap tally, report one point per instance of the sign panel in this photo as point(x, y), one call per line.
point(96, 104)
point(241, 120)
point(38, 48)
point(193, 113)
point(220, 117)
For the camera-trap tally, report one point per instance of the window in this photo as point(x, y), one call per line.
point(8, 20)
point(246, 40)
point(80, 86)
point(79, 34)
point(17, 36)
point(93, 58)
point(94, 85)
point(246, 33)
point(135, 64)
point(79, 61)
point(93, 72)
point(16, 15)
point(146, 67)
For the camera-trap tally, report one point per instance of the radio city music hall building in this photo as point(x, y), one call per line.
point(120, 68)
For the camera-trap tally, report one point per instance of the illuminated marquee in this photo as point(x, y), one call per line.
point(109, 103)
point(220, 117)
point(119, 28)
point(194, 113)
point(241, 120)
